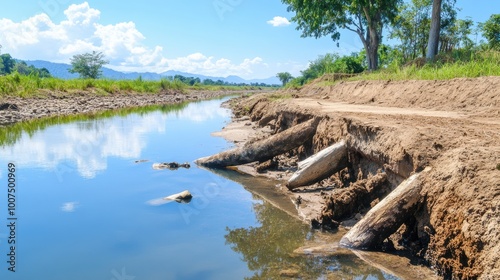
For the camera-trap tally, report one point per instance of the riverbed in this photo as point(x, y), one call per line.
point(83, 210)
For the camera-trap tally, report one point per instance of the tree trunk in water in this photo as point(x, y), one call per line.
point(386, 217)
point(319, 166)
point(433, 45)
point(264, 149)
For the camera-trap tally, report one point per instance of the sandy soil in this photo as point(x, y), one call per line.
point(398, 128)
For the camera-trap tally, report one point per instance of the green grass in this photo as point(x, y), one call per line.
point(29, 86)
point(33, 86)
point(277, 96)
point(457, 64)
point(480, 64)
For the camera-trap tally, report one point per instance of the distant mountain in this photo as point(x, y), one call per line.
point(60, 70)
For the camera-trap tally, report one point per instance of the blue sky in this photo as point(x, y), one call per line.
point(214, 37)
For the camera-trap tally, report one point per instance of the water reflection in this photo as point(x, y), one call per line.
point(69, 206)
point(208, 111)
point(86, 145)
point(268, 250)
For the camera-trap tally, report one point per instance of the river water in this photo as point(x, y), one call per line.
point(82, 207)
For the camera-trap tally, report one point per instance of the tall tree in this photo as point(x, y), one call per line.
point(456, 35)
point(366, 18)
point(7, 63)
point(433, 46)
point(88, 65)
point(411, 27)
point(284, 77)
point(413, 24)
point(491, 31)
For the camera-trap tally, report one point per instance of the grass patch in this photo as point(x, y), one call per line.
point(498, 166)
point(277, 96)
point(34, 86)
point(486, 63)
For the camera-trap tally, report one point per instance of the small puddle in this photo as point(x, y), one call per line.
point(83, 187)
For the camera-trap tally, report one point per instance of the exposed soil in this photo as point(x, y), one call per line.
point(394, 129)
point(16, 109)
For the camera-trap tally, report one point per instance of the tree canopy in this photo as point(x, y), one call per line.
point(366, 18)
point(491, 31)
point(22, 68)
point(284, 77)
point(88, 65)
point(7, 64)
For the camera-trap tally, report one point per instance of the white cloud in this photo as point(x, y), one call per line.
point(279, 21)
point(199, 63)
point(122, 43)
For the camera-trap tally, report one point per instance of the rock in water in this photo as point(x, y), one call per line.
point(170, 165)
point(180, 197)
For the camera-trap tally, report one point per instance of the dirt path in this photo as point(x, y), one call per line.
point(330, 107)
point(399, 128)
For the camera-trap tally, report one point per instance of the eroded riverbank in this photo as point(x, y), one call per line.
point(394, 130)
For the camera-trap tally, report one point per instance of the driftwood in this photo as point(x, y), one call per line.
point(319, 166)
point(386, 217)
point(264, 149)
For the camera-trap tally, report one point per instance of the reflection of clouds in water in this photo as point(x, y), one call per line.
point(199, 112)
point(158, 201)
point(69, 206)
point(87, 145)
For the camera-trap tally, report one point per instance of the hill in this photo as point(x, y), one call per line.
point(60, 70)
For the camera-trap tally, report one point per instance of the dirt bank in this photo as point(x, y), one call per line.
point(394, 129)
point(16, 109)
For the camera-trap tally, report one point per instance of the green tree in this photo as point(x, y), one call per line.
point(284, 77)
point(413, 23)
point(457, 35)
point(7, 64)
point(363, 17)
point(88, 65)
point(411, 27)
point(491, 31)
point(22, 68)
point(348, 64)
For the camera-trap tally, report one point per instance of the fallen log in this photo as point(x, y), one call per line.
point(386, 217)
point(264, 149)
point(320, 166)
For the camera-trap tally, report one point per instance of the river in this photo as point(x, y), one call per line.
point(81, 205)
